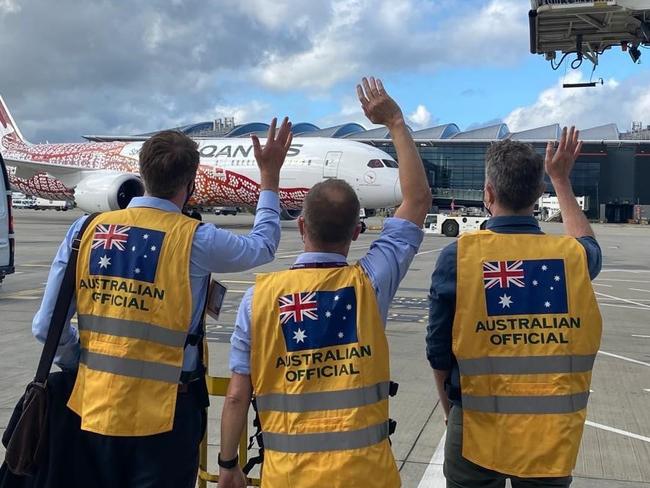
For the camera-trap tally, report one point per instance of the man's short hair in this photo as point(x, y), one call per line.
point(516, 172)
point(169, 161)
point(331, 212)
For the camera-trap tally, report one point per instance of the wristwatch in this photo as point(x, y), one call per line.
point(231, 463)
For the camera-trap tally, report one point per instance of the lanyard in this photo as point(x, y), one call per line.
point(318, 265)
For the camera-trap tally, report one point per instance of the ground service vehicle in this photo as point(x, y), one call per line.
point(6, 225)
point(226, 210)
point(452, 225)
point(20, 200)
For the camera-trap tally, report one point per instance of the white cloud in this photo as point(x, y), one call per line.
point(9, 7)
point(350, 111)
point(364, 36)
point(281, 14)
point(620, 102)
point(421, 117)
point(323, 63)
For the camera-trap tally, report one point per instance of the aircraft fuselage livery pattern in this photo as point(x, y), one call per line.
point(228, 174)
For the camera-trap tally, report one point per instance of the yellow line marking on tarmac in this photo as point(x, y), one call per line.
point(34, 265)
point(639, 289)
point(238, 282)
point(641, 336)
point(603, 284)
point(635, 361)
point(618, 431)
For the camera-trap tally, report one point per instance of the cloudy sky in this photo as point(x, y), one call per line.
point(72, 68)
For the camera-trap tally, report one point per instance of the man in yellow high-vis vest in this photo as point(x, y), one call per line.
point(514, 328)
point(141, 282)
point(310, 341)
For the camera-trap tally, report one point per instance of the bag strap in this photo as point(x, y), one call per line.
point(60, 313)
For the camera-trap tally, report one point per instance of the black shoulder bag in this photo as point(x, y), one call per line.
point(26, 436)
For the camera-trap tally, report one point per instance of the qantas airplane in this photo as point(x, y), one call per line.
point(102, 176)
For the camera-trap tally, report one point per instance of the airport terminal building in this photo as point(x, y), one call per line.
point(613, 170)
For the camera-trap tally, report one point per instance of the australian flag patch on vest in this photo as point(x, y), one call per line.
point(318, 319)
point(525, 287)
point(126, 252)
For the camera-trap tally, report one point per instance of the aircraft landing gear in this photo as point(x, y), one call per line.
point(364, 227)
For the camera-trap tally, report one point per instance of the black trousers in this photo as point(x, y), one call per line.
point(168, 460)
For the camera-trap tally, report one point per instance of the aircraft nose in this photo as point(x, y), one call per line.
point(398, 192)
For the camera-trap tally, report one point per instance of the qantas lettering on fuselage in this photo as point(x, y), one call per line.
point(230, 151)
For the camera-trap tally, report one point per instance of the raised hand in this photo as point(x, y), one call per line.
point(378, 106)
point(271, 156)
point(559, 161)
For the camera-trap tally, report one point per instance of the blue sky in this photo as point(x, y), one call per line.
point(98, 67)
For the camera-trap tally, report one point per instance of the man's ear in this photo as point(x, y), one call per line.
point(357, 231)
point(301, 227)
point(489, 195)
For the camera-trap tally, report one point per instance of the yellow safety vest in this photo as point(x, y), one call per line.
point(134, 307)
point(320, 372)
point(526, 332)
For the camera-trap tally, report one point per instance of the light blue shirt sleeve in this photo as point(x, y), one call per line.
point(217, 250)
point(389, 258)
point(67, 355)
point(240, 341)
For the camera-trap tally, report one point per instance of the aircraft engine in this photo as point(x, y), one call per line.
point(289, 214)
point(107, 190)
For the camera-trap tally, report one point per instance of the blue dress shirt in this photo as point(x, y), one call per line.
point(442, 296)
point(386, 264)
point(214, 250)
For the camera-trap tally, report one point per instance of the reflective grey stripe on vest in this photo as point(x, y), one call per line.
point(526, 365)
point(526, 404)
point(134, 368)
point(133, 330)
point(323, 400)
point(326, 441)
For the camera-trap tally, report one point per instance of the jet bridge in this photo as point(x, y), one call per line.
point(587, 28)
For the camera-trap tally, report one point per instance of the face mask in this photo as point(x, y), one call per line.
point(190, 192)
point(487, 209)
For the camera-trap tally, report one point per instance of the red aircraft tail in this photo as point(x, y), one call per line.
point(8, 127)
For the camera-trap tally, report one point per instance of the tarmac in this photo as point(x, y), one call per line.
point(615, 449)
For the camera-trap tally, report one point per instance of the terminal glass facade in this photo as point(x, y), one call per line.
point(457, 171)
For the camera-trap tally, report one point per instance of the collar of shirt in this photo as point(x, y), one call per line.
point(320, 257)
point(153, 202)
point(514, 223)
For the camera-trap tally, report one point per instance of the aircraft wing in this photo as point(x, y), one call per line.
point(26, 169)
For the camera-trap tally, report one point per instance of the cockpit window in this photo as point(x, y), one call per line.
point(375, 163)
point(390, 163)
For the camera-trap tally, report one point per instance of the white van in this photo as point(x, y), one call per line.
point(6, 224)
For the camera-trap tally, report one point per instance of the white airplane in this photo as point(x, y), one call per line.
point(102, 176)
